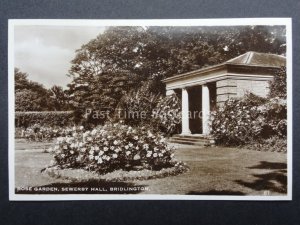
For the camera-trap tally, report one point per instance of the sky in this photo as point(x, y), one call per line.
point(45, 52)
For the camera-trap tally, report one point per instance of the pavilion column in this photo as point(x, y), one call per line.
point(185, 112)
point(205, 110)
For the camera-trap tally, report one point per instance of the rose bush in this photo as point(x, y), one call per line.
point(247, 120)
point(48, 133)
point(167, 114)
point(111, 147)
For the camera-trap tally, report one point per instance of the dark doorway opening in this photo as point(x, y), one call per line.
point(195, 107)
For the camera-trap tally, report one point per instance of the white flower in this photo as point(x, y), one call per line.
point(91, 152)
point(137, 148)
point(116, 142)
point(89, 139)
point(94, 132)
point(136, 157)
point(91, 157)
point(118, 149)
point(115, 156)
point(100, 161)
point(63, 155)
point(145, 146)
point(126, 147)
point(65, 147)
point(96, 148)
point(112, 147)
point(105, 149)
point(96, 157)
point(60, 139)
point(81, 127)
point(101, 153)
point(72, 152)
point(155, 155)
point(130, 144)
point(128, 153)
point(162, 140)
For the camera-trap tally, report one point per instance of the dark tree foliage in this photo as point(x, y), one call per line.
point(119, 60)
point(278, 84)
point(59, 98)
point(32, 96)
point(29, 95)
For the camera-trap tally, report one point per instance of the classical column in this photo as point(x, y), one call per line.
point(205, 109)
point(185, 112)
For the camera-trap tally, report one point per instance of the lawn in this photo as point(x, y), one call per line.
point(213, 171)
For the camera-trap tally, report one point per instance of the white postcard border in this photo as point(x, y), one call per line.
point(151, 22)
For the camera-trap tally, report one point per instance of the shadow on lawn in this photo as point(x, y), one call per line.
point(89, 187)
point(269, 165)
point(274, 181)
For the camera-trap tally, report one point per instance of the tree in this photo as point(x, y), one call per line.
point(278, 84)
point(119, 60)
point(59, 98)
point(29, 95)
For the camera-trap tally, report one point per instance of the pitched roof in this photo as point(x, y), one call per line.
point(259, 59)
point(249, 59)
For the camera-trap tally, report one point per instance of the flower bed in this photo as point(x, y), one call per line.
point(81, 175)
point(39, 133)
point(249, 120)
point(113, 147)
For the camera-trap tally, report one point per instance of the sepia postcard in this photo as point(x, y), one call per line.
point(196, 109)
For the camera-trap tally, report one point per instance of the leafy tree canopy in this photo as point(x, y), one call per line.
point(120, 59)
point(32, 96)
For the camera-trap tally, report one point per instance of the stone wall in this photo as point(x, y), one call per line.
point(229, 88)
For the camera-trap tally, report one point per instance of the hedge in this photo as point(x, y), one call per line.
point(45, 118)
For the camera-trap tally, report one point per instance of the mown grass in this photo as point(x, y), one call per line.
point(213, 171)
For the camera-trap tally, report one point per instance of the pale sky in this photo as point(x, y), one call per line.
point(45, 52)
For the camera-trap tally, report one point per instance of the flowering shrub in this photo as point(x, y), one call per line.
point(47, 133)
point(111, 147)
point(167, 114)
point(243, 121)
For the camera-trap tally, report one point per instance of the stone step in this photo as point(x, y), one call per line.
point(195, 143)
point(189, 138)
point(198, 140)
point(199, 136)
